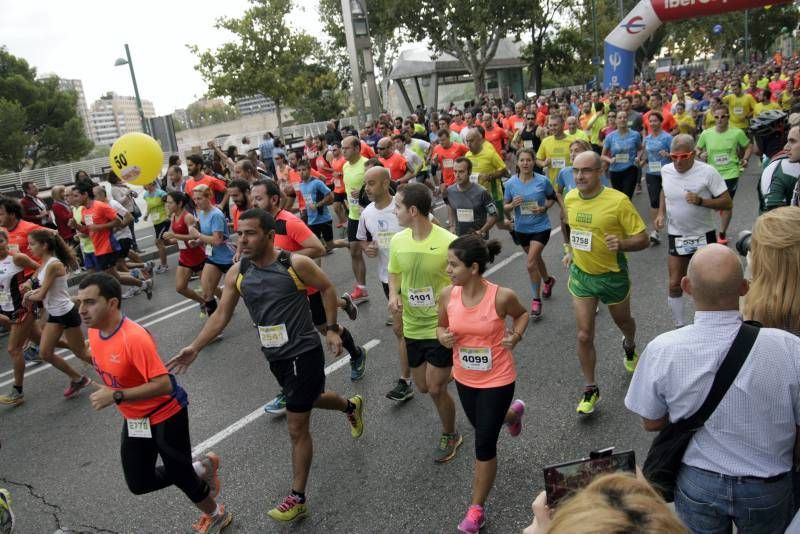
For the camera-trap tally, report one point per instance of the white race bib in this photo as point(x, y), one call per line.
point(447, 163)
point(421, 297)
point(465, 215)
point(88, 219)
point(519, 125)
point(738, 110)
point(689, 244)
point(581, 240)
point(337, 182)
point(209, 250)
point(384, 239)
point(139, 428)
point(558, 163)
point(527, 143)
point(354, 195)
point(475, 358)
point(473, 178)
point(5, 298)
point(296, 186)
point(653, 166)
point(182, 244)
point(622, 158)
point(721, 159)
point(529, 207)
point(273, 336)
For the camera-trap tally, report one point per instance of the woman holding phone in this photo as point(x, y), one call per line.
point(472, 322)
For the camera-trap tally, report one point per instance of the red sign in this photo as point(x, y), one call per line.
point(668, 10)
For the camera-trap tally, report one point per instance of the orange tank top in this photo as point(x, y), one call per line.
point(479, 358)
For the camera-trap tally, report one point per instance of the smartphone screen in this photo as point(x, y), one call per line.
point(562, 480)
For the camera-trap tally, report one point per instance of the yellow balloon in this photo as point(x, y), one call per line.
point(136, 158)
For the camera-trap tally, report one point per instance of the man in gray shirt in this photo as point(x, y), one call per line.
point(737, 467)
point(471, 207)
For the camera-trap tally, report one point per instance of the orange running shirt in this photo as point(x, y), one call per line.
point(18, 241)
point(99, 213)
point(215, 184)
point(446, 157)
point(396, 164)
point(338, 182)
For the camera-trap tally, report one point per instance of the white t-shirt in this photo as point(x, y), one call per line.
point(123, 232)
point(687, 219)
point(381, 225)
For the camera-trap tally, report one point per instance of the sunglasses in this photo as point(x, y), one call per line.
point(681, 156)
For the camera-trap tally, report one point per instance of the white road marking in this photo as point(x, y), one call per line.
point(200, 448)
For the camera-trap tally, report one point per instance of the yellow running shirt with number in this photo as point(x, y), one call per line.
point(353, 174)
point(487, 161)
point(558, 152)
point(609, 213)
point(421, 265)
point(740, 109)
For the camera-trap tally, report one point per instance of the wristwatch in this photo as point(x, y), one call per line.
point(118, 396)
point(334, 327)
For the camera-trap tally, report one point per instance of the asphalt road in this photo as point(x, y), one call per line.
point(60, 459)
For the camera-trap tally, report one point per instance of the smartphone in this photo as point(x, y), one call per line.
point(562, 480)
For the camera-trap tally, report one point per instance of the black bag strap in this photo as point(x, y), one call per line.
point(726, 373)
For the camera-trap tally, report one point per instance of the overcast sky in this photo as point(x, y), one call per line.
point(82, 39)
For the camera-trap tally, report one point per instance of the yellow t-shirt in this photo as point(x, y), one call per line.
point(740, 109)
point(353, 176)
point(685, 122)
point(558, 152)
point(609, 213)
point(579, 134)
point(488, 161)
point(761, 107)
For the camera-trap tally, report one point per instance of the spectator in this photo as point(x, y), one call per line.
point(736, 467)
point(62, 213)
point(34, 210)
point(332, 133)
point(613, 503)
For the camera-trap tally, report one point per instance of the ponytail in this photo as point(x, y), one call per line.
point(57, 247)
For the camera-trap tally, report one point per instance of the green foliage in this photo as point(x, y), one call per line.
point(99, 151)
point(206, 112)
point(39, 122)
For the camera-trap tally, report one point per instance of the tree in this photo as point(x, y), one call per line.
point(40, 123)
point(469, 31)
point(544, 20)
point(268, 58)
point(205, 112)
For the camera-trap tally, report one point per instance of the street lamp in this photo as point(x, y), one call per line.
point(356, 30)
point(119, 62)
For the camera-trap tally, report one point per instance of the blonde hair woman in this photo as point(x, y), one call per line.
point(775, 266)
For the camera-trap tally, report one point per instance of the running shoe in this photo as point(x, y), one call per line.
point(147, 286)
point(359, 295)
point(356, 417)
point(350, 307)
point(203, 312)
point(536, 309)
point(591, 396)
point(389, 320)
point(6, 514)
point(358, 366)
point(213, 524)
point(149, 266)
point(276, 406)
point(131, 292)
point(721, 238)
point(15, 398)
point(161, 269)
point(291, 509)
point(75, 387)
point(447, 448)
point(210, 464)
point(31, 355)
point(655, 239)
point(194, 276)
point(631, 357)
point(547, 287)
point(474, 521)
point(403, 391)
point(515, 428)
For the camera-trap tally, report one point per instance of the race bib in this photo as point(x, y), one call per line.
point(273, 336)
point(354, 194)
point(475, 358)
point(653, 166)
point(519, 125)
point(337, 182)
point(384, 239)
point(558, 163)
point(473, 178)
point(209, 250)
point(296, 186)
point(689, 244)
point(622, 158)
point(721, 159)
point(182, 244)
point(738, 110)
point(465, 215)
point(447, 163)
point(581, 240)
point(527, 143)
point(5, 298)
point(88, 219)
point(421, 297)
point(139, 428)
point(529, 207)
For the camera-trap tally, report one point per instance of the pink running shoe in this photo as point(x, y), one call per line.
point(515, 428)
point(547, 287)
point(474, 520)
point(75, 387)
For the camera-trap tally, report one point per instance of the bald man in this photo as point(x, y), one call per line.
point(736, 468)
point(691, 192)
point(604, 225)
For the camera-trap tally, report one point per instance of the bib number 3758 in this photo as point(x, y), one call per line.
point(581, 240)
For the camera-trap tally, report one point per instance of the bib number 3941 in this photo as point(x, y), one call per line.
point(273, 336)
point(139, 428)
point(581, 240)
point(421, 297)
point(475, 358)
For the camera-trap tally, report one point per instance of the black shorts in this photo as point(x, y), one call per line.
point(317, 307)
point(732, 184)
point(524, 240)
point(352, 229)
point(711, 237)
point(421, 177)
point(385, 289)
point(302, 379)
point(339, 197)
point(224, 267)
point(71, 319)
point(428, 350)
point(324, 231)
point(125, 245)
point(194, 268)
point(161, 228)
point(653, 189)
point(105, 262)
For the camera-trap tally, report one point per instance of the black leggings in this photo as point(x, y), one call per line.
point(486, 410)
point(170, 441)
point(625, 180)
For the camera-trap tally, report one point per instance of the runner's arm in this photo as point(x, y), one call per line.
point(25, 261)
point(635, 242)
point(654, 425)
point(312, 275)
point(217, 322)
point(54, 270)
point(156, 387)
point(722, 202)
point(507, 303)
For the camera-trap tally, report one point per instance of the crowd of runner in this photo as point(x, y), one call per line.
point(258, 226)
